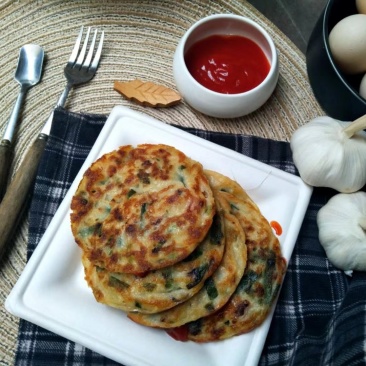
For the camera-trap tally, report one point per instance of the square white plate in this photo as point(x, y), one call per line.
point(52, 292)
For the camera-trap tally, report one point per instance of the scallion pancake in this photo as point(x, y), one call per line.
point(164, 288)
point(217, 289)
point(251, 302)
point(141, 208)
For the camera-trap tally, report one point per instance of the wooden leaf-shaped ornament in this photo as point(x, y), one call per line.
point(147, 93)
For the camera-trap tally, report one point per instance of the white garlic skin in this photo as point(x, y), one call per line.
point(342, 230)
point(326, 157)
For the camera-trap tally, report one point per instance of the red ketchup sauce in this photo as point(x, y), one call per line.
point(227, 64)
point(276, 227)
point(179, 333)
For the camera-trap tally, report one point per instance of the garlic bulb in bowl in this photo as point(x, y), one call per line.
point(342, 230)
point(331, 153)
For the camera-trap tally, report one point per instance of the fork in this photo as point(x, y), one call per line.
point(80, 68)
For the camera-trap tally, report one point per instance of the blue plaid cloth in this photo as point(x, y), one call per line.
point(320, 318)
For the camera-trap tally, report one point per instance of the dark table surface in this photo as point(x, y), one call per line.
point(295, 18)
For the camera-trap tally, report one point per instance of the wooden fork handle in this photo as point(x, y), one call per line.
point(11, 208)
point(6, 152)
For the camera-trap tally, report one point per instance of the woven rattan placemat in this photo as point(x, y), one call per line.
point(141, 37)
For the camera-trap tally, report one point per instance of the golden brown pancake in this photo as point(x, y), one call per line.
point(222, 183)
point(164, 288)
point(252, 300)
point(140, 209)
point(217, 289)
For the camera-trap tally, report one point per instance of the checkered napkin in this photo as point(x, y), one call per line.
point(320, 318)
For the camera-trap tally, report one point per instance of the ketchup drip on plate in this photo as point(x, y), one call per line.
point(179, 333)
point(227, 64)
point(276, 227)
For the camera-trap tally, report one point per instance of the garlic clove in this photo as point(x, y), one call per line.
point(326, 156)
point(342, 230)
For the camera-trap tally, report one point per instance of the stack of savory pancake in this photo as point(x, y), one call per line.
point(175, 246)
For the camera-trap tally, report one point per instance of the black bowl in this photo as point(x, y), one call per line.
point(336, 92)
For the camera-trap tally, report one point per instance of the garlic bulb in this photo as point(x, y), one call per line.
point(342, 230)
point(331, 153)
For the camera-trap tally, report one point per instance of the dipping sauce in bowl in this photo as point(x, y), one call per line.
point(227, 64)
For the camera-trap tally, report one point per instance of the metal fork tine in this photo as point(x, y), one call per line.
point(89, 56)
point(96, 60)
point(83, 51)
point(75, 73)
point(75, 51)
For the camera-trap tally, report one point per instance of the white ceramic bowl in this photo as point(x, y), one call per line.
point(218, 104)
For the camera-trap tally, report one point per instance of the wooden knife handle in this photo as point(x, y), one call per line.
point(17, 192)
point(6, 152)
